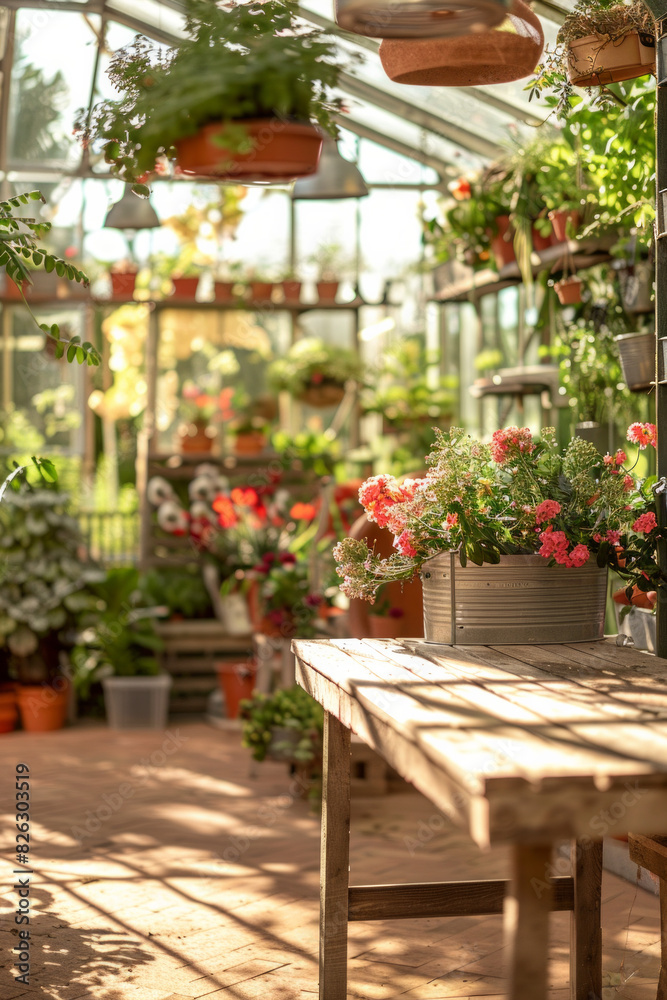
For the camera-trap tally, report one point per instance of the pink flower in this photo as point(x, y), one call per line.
point(579, 555)
point(620, 457)
point(547, 510)
point(404, 544)
point(645, 523)
point(608, 460)
point(628, 483)
point(451, 520)
point(509, 441)
point(614, 537)
point(642, 434)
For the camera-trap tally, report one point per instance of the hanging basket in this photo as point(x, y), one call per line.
point(597, 60)
point(280, 151)
point(496, 56)
point(502, 244)
point(636, 282)
point(564, 223)
point(637, 353)
point(419, 18)
point(521, 600)
point(321, 396)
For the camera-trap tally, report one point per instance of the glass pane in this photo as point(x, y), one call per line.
point(47, 89)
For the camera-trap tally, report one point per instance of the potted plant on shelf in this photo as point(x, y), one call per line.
point(243, 96)
point(315, 373)
point(46, 586)
point(123, 276)
point(117, 646)
point(199, 404)
point(260, 285)
point(249, 433)
point(185, 282)
point(330, 263)
point(227, 282)
point(291, 286)
point(495, 529)
point(598, 44)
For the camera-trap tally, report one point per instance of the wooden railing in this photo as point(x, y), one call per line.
point(111, 537)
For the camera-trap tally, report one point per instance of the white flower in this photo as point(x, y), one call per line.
point(202, 488)
point(159, 491)
point(172, 518)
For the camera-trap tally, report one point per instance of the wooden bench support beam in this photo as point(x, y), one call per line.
point(443, 899)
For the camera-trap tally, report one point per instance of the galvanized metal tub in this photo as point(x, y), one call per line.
point(521, 600)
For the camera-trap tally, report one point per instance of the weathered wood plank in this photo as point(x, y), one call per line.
point(442, 899)
point(526, 921)
point(334, 860)
point(585, 922)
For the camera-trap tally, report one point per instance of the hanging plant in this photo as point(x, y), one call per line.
point(19, 246)
point(244, 95)
point(598, 44)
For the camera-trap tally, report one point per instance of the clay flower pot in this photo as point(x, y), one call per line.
point(8, 710)
point(122, 284)
point(563, 222)
point(185, 288)
point(237, 681)
point(327, 291)
point(569, 290)
point(540, 242)
point(279, 151)
point(292, 291)
point(194, 439)
point(496, 56)
point(502, 246)
point(597, 60)
point(321, 396)
point(224, 291)
point(261, 291)
point(639, 599)
point(43, 707)
point(249, 443)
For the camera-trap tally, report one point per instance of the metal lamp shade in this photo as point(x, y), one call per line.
point(419, 18)
point(131, 212)
point(336, 177)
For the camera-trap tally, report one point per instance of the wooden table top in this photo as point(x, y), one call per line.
point(515, 743)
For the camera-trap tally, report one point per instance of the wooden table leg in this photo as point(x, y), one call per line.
point(334, 860)
point(585, 921)
point(526, 918)
point(651, 853)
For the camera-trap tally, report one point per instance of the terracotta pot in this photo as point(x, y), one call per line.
point(224, 291)
point(280, 151)
point(237, 681)
point(195, 439)
point(323, 395)
point(597, 60)
point(327, 290)
point(292, 291)
point(540, 242)
point(8, 710)
point(496, 56)
point(381, 627)
point(122, 284)
point(250, 443)
point(502, 246)
point(185, 288)
point(559, 220)
point(639, 599)
point(261, 291)
point(43, 707)
point(568, 291)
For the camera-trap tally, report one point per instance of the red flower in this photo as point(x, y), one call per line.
point(224, 508)
point(244, 498)
point(303, 512)
point(642, 434)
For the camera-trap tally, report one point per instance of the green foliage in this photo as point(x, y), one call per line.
point(19, 247)
point(402, 390)
point(312, 451)
point(118, 637)
point(299, 718)
point(590, 371)
point(310, 363)
point(238, 61)
point(181, 590)
point(39, 135)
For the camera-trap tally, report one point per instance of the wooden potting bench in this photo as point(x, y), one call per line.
point(526, 745)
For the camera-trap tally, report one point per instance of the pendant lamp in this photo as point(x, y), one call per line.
point(131, 212)
point(419, 18)
point(497, 56)
point(336, 177)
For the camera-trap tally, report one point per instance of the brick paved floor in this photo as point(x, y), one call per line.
point(165, 869)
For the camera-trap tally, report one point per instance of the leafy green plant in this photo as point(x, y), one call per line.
point(181, 590)
point(19, 236)
point(238, 61)
point(298, 718)
point(308, 450)
point(403, 392)
point(118, 636)
point(310, 364)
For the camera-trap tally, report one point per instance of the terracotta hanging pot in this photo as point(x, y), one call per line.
point(569, 291)
point(597, 60)
point(281, 151)
point(502, 245)
point(564, 223)
point(496, 56)
point(321, 396)
point(419, 18)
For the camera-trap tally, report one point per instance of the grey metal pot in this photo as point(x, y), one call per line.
point(636, 283)
point(521, 600)
point(637, 353)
